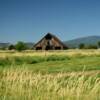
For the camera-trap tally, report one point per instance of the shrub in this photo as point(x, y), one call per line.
point(82, 46)
point(11, 47)
point(20, 46)
point(92, 47)
point(99, 44)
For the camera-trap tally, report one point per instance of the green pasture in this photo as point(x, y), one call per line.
point(51, 75)
point(52, 63)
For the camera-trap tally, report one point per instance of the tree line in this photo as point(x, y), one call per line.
point(90, 46)
point(20, 46)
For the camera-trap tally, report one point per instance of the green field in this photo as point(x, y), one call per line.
point(50, 75)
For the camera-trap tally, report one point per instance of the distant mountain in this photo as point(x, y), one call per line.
point(29, 45)
point(90, 40)
point(4, 45)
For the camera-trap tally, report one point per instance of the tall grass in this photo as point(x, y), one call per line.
point(31, 76)
point(51, 63)
point(30, 59)
point(47, 53)
point(26, 85)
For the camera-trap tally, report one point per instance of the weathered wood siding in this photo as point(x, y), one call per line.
point(51, 43)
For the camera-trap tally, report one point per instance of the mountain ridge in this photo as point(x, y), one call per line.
point(88, 40)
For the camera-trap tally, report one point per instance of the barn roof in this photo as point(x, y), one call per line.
point(52, 35)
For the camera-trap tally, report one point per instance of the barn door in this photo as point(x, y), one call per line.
point(49, 45)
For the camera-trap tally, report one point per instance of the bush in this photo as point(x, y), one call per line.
point(99, 44)
point(20, 46)
point(11, 47)
point(92, 47)
point(82, 46)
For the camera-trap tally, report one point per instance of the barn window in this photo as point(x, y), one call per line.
point(58, 48)
point(38, 48)
point(48, 37)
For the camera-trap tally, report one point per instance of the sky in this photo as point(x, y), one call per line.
point(30, 20)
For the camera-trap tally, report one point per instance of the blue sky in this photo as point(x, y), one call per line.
point(29, 20)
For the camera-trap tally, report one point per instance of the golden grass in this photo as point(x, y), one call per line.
point(26, 85)
point(47, 53)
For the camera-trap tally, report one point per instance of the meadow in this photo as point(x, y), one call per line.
point(50, 75)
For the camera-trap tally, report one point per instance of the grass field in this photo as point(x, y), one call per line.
point(50, 75)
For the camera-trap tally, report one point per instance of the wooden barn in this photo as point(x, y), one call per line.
point(50, 42)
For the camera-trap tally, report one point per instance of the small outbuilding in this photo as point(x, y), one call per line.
point(50, 42)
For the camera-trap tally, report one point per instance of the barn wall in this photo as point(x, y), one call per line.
point(54, 43)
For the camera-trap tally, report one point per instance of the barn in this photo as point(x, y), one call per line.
point(50, 42)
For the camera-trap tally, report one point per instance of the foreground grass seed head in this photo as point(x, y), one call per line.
point(16, 84)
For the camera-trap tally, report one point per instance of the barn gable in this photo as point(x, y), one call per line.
point(50, 42)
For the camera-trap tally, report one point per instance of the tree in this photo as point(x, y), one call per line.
point(82, 46)
point(99, 44)
point(92, 47)
point(20, 46)
point(11, 47)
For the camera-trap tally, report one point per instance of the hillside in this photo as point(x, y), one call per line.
point(29, 45)
point(4, 45)
point(90, 40)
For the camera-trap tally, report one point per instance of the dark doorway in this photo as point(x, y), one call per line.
point(38, 48)
point(58, 48)
point(48, 47)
